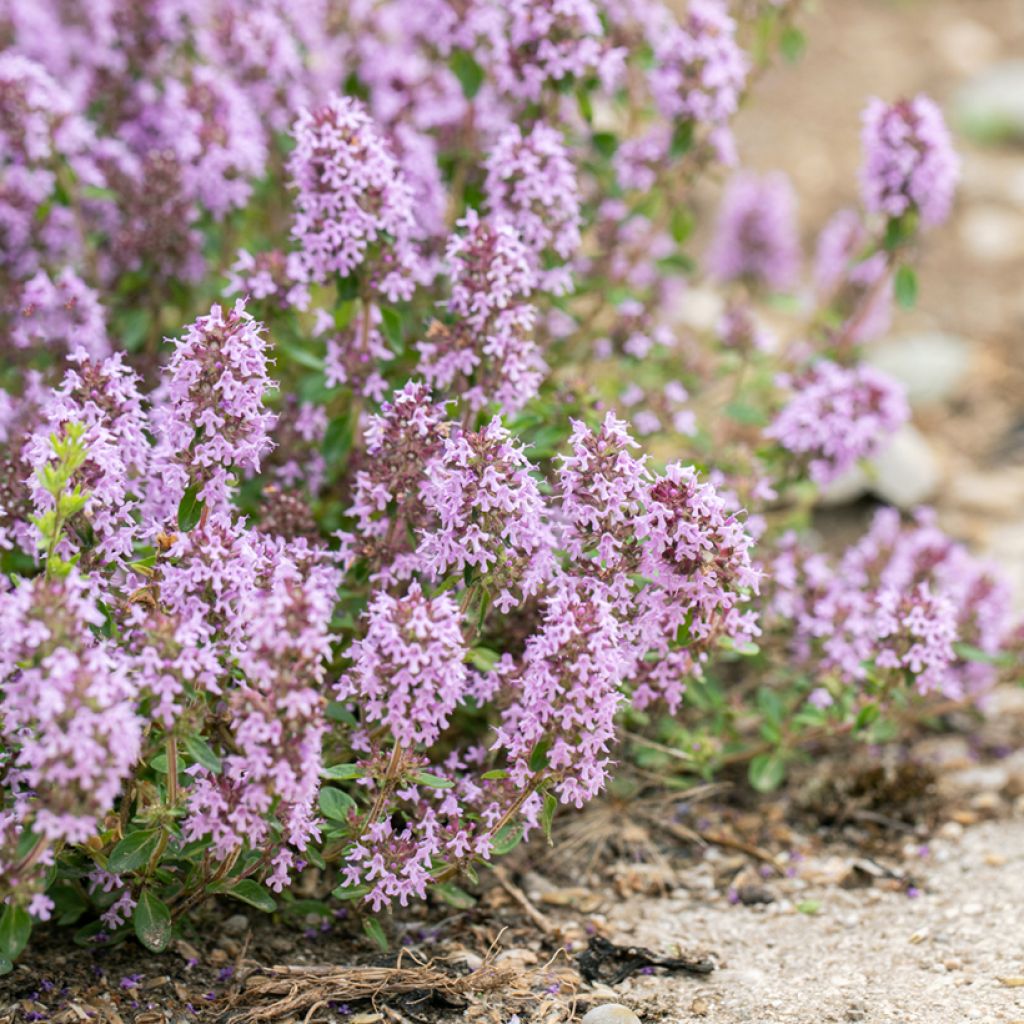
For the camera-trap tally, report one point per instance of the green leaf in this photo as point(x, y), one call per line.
point(766, 772)
point(343, 771)
point(15, 928)
point(483, 658)
point(454, 896)
point(905, 285)
point(199, 750)
point(152, 921)
point(867, 714)
point(297, 354)
point(391, 322)
point(336, 804)
point(682, 139)
point(374, 932)
point(539, 756)
point(810, 907)
point(507, 839)
point(5, 966)
point(682, 223)
point(971, 653)
point(133, 851)
point(547, 814)
point(792, 43)
point(247, 891)
point(426, 779)
point(468, 72)
point(351, 892)
point(495, 773)
point(190, 509)
point(605, 143)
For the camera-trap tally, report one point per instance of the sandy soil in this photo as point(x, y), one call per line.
point(954, 953)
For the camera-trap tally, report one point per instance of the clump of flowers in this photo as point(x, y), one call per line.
point(755, 238)
point(351, 198)
point(909, 162)
point(837, 416)
point(383, 614)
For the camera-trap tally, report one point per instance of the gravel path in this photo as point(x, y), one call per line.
point(953, 954)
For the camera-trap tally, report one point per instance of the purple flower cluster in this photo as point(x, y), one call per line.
point(212, 419)
point(756, 235)
point(531, 184)
point(351, 196)
point(699, 70)
point(895, 603)
point(909, 162)
point(489, 352)
point(68, 708)
point(490, 516)
point(409, 670)
point(836, 416)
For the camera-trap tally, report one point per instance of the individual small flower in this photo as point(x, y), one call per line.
point(699, 70)
point(409, 671)
point(909, 161)
point(353, 204)
point(213, 419)
point(531, 184)
point(837, 415)
point(755, 236)
point(491, 516)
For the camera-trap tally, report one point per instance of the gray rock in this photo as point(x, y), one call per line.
point(990, 107)
point(236, 925)
point(930, 366)
point(907, 472)
point(611, 1013)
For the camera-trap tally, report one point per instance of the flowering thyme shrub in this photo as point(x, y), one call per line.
point(328, 336)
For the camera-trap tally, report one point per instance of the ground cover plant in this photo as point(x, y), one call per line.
point(363, 477)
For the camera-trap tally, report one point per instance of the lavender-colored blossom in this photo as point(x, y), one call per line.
point(531, 184)
point(491, 341)
point(699, 71)
point(63, 313)
point(213, 419)
point(68, 707)
point(351, 196)
point(851, 283)
point(566, 688)
point(909, 161)
point(545, 41)
point(836, 416)
point(409, 671)
point(756, 236)
point(491, 516)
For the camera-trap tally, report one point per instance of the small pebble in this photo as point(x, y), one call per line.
point(236, 925)
point(611, 1013)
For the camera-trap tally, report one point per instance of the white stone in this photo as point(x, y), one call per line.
point(611, 1013)
point(931, 366)
point(990, 107)
point(907, 472)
